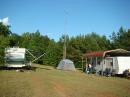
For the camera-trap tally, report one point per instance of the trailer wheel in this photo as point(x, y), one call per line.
point(113, 72)
point(126, 73)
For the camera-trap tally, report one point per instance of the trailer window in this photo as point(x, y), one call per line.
point(109, 61)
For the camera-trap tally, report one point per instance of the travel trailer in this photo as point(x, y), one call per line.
point(15, 57)
point(112, 61)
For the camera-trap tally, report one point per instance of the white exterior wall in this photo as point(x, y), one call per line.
point(123, 63)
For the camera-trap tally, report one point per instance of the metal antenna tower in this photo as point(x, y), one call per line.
point(65, 34)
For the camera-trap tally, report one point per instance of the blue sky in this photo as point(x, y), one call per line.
point(84, 16)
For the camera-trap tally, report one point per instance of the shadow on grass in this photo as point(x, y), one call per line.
point(2, 68)
point(43, 68)
point(79, 69)
point(20, 69)
point(32, 68)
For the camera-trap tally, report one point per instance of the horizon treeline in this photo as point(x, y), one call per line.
point(76, 46)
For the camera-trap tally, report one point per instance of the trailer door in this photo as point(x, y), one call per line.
point(109, 63)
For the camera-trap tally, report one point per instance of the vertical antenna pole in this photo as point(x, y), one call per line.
point(65, 33)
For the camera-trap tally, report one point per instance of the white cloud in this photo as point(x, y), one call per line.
point(5, 21)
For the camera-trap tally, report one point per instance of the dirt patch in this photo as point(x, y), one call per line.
point(106, 94)
point(37, 86)
point(96, 93)
point(60, 89)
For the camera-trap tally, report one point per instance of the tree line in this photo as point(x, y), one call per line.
point(76, 46)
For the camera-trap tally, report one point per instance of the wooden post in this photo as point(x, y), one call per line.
point(91, 60)
point(96, 61)
point(103, 64)
point(82, 65)
point(86, 61)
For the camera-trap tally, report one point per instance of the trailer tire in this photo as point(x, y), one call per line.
point(126, 73)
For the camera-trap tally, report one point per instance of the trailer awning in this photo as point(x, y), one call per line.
point(116, 52)
point(109, 53)
point(94, 54)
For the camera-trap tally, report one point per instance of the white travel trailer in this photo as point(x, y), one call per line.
point(115, 61)
point(15, 57)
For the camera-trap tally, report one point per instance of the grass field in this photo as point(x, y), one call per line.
point(48, 82)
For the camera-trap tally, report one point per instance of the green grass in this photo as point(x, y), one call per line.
point(48, 82)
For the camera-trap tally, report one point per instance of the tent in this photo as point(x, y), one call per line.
point(66, 64)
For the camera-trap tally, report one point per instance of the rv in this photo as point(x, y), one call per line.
point(109, 62)
point(15, 57)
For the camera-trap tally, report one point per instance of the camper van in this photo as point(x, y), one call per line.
point(109, 62)
point(15, 57)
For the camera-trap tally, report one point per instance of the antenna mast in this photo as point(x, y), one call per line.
point(65, 33)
